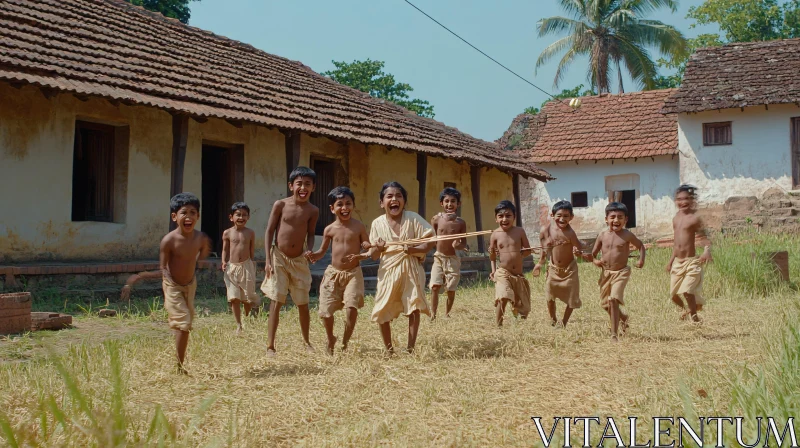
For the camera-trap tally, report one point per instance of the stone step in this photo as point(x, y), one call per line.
point(785, 211)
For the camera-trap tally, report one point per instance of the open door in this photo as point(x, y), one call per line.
point(326, 179)
point(222, 170)
point(795, 140)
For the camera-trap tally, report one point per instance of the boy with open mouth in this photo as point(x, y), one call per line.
point(446, 269)
point(288, 242)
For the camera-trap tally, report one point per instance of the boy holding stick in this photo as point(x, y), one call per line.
point(508, 247)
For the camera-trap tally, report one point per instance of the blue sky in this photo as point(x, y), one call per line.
point(467, 90)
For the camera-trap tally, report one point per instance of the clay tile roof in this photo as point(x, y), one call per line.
point(739, 75)
point(111, 49)
point(604, 127)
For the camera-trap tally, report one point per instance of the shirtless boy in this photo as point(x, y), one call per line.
point(685, 267)
point(178, 254)
point(238, 250)
point(288, 242)
point(559, 242)
point(343, 283)
point(615, 245)
point(446, 269)
point(508, 247)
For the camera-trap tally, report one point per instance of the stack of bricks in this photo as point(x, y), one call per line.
point(15, 312)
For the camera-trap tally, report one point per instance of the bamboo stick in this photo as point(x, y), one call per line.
point(418, 241)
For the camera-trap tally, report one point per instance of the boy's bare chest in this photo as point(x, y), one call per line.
point(344, 235)
point(294, 215)
point(448, 227)
point(508, 241)
point(239, 239)
point(616, 242)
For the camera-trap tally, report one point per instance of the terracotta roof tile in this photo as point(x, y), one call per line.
point(111, 49)
point(739, 75)
point(604, 127)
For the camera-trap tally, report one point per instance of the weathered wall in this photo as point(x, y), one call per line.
point(36, 151)
point(657, 180)
point(758, 159)
point(495, 187)
point(264, 166)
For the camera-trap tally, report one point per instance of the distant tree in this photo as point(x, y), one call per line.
point(176, 9)
point(565, 94)
point(738, 21)
point(368, 77)
point(612, 34)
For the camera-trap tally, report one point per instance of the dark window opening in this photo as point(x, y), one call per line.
point(93, 173)
point(326, 181)
point(579, 199)
point(629, 199)
point(222, 184)
point(717, 134)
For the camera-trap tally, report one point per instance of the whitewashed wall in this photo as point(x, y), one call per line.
point(657, 180)
point(758, 159)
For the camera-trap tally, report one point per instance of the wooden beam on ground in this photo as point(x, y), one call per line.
point(180, 138)
point(475, 176)
point(517, 202)
point(422, 178)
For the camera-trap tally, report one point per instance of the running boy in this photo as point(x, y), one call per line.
point(343, 283)
point(510, 244)
point(178, 254)
point(446, 269)
point(559, 242)
point(615, 245)
point(288, 242)
point(685, 268)
point(238, 250)
point(401, 277)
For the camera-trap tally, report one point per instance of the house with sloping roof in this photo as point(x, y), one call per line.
point(614, 147)
point(107, 110)
point(738, 113)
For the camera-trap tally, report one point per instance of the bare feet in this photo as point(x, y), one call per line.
point(553, 323)
point(181, 370)
point(238, 331)
point(433, 317)
point(271, 353)
point(614, 339)
point(687, 315)
point(310, 349)
point(331, 345)
point(623, 324)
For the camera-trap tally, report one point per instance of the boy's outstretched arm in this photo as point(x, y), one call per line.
point(543, 255)
point(205, 247)
point(163, 262)
point(492, 256)
point(326, 241)
point(226, 249)
point(269, 234)
point(310, 232)
point(598, 246)
point(461, 243)
point(526, 251)
point(705, 240)
point(576, 244)
point(377, 248)
point(637, 243)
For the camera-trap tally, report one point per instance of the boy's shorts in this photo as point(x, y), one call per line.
point(290, 276)
point(446, 270)
point(612, 286)
point(240, 282)
point(514, 288)
point(340, 289)
point(686, 277)
point(179, 303)
point(563, 284)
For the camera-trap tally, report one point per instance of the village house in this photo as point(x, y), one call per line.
point(107, 110)
point(738, 115)
point(614, 147)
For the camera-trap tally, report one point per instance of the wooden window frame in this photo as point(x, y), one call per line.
point(572, 199)
point(89, 210)
point(709, 128)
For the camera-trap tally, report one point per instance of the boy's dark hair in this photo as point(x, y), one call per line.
point(181, 200)
point(239, 206)
point(340, 193)
point(563, 205)
point(617, 207)
point(394, 184)
point(450, 191)
point(303, 171)
point(505, 205)
point(691, 189)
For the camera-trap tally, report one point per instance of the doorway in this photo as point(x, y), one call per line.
point(222, 171)
point(629, 199)
point(326, 181)
point(795, 142)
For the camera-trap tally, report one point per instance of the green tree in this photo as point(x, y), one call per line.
point(368, 77)
point(564, 95)
point(611, 33)
point(738, 21)
point(176, 9)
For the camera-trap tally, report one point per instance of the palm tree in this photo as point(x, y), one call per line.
point(611, 33)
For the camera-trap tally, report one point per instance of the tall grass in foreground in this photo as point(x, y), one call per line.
point(78, 418)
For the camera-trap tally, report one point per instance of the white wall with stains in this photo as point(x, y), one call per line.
point(654, 180)
point(758, 159)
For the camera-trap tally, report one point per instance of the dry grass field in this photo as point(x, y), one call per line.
point(111, 382)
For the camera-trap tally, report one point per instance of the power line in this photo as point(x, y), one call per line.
point(483, 53)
